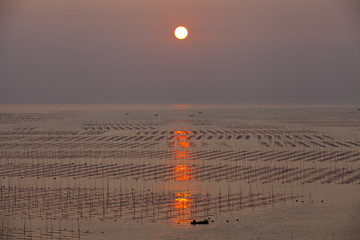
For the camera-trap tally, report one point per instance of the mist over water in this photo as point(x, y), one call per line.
point(145, 172)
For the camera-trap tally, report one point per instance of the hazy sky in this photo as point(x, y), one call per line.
point(124, 51)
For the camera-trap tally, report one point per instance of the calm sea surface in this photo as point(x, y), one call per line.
point(147, 171)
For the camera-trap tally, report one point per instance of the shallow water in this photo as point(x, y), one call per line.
point(144, 172)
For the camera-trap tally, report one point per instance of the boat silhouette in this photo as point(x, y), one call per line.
point(194, 222)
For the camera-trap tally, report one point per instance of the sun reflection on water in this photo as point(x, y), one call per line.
point(182, 172)
point(182, 132)
point(183, 204)
point(181, 154)
point(184, 144)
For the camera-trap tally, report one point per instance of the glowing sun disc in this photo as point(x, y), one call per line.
point(181, 32)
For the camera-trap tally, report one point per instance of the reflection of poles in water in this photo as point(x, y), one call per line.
point(133, 198)
point(229, 202)
point(51, 223)
point(219, 200)
point(272, 194)
point(207, 203)
point(46, 222)
point(103, 197)
point(78, 227)
point(240, 196)
point(2, 227)
point(80, 211)
point(257, 191)
point(152, 202)
point(251, 197)
point(115, 203)
point(169, 214)
point(121, 200)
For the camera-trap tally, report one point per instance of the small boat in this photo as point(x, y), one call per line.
point(194, 222)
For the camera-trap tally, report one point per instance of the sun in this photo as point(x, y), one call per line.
point(181, 32)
